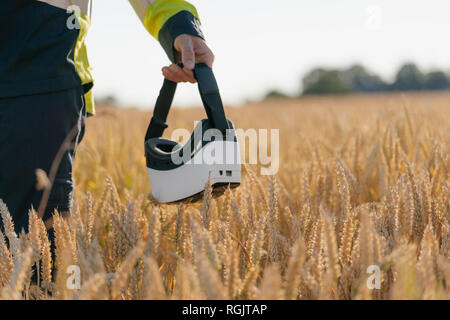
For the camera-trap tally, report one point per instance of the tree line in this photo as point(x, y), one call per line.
point(357, 78)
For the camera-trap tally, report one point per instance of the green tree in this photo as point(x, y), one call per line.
point(275, 94)
point(321, 81)
point(436, 80)
point(408, 78)
point(361, 80)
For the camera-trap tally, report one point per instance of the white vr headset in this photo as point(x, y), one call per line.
point(180, 173)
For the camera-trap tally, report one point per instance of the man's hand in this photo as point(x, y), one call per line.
point(193, 50)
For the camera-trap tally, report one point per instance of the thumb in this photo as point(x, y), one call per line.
point(188, 55)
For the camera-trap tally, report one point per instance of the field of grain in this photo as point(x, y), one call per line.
point(362, 181)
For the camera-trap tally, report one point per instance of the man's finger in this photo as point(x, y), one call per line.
point(174, 68)
point(183, 74)
point(210, 59)
point(190, 75)
point(207, 58)
point(176, 74)
point(169, 74)
point(188, 55)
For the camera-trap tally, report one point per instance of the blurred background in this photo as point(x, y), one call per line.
point(280, 48)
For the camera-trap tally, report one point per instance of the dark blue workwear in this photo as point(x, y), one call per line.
point(32, 129)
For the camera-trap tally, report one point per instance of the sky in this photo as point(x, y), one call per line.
point(261, 44)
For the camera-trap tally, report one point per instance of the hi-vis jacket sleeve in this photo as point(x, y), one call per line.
point(167, 19)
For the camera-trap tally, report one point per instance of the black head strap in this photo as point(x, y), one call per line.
point(209, 92)
point(163, 103)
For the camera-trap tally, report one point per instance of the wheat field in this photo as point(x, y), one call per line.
point(362, 181)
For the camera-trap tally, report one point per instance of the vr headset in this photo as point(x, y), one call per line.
point(181, 172)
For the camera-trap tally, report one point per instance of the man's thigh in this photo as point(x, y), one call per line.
point(32, 130)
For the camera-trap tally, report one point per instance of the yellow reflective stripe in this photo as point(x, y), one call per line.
point(162, 10)
point(81, 60)
point(90, 104)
